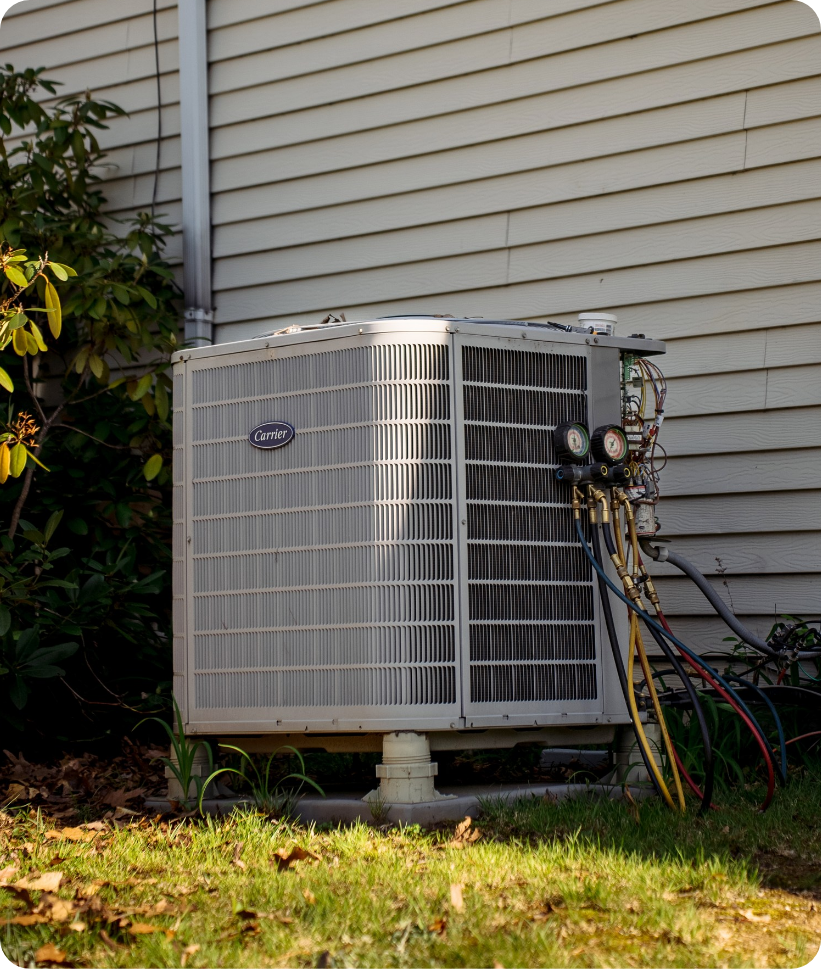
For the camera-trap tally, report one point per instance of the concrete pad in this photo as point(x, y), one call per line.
point(561, 757)
point(348, 808)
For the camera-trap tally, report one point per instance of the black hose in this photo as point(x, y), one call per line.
point(615, 648)
point(664, 646)
point(715, 600)
point(652, 624)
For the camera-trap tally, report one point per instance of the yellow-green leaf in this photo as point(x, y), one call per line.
point(96, 365)
point(142, 386)
point(14, 275)
point(55, 316)
point(31, 343)
point(19, 342)
point(148, 404)
point(5, 456)
point(81, 360)
point(17, 460)
point(161, 400)
point(38, 336)
point(58, 270)
point(34, 459)
point(152, 467)
point(5, 381)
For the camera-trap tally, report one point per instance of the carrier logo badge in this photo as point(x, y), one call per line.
point(272, 434)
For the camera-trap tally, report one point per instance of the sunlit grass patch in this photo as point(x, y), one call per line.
point(581, 883)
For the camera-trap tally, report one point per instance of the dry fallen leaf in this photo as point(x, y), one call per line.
point(49, 953)
point(121, 798)
point(189, 950)
point(49, 882)
point(95, 826)
point(309, 896)
point(70, 834)
point(124, 812)
point(438, 926)
point(143, 928)
point(32, 918)
point(6, 873)
point(236, 860)
point(14, 792)
point(632, 806)
point(463, 835)
point(457, 902)
point(284, 858)
point(78, 926)
point(749, 916)
point(92, 888)
point(57, 909)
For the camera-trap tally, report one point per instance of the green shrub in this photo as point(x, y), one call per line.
point(99, 403)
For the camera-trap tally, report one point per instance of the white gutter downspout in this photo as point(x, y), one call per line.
point(196, 182)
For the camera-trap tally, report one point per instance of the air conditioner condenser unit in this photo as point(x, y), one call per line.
point(369, 536)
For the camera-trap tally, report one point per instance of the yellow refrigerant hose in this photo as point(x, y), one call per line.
point(634, 541)
point(637, 647)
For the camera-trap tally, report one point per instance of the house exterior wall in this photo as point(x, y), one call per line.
point(108, 48)
point(522, 159)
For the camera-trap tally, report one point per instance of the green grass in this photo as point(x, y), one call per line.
point(581, 883)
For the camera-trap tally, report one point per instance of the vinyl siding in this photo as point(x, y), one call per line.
point(532, 159)
point(535, 159)
point(109, 48)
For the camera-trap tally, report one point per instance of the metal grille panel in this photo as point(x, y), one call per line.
point(323, 571)
point(530, 593)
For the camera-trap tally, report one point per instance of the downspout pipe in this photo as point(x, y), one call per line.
point(196, 180)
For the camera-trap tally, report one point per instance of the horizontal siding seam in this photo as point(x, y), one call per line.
point(388, 20)
point(432, 48)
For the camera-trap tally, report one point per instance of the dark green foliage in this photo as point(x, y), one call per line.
point(100, 580)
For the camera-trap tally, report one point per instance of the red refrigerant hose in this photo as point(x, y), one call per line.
point(703, 674)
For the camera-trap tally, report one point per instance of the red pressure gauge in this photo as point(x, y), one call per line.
point(609, 443)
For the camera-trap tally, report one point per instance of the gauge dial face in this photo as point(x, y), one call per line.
point(572, 442)
point(576, 441)
point(615, 444)
point(609, 443)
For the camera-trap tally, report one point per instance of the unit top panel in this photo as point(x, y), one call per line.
point(404, 328)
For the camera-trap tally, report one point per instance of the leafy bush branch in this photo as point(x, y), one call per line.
point(89, 316)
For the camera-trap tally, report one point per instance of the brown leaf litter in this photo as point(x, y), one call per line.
point(105, 785)
point(283, 859)
point(464, 835)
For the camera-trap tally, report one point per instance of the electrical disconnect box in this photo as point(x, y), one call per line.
point(370, 535)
